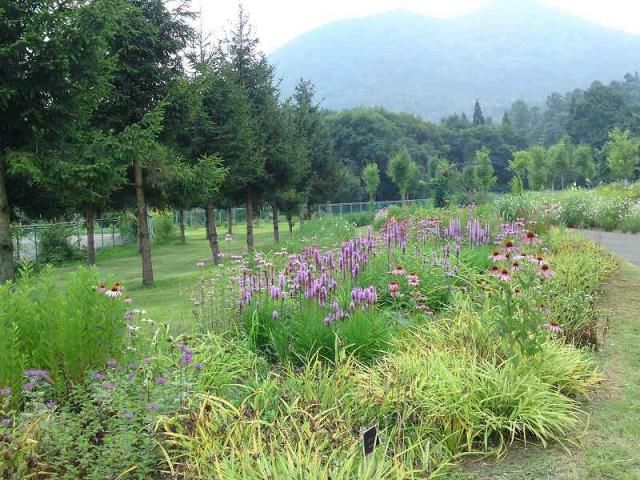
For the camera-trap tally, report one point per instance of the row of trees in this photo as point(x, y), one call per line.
point(564, 163)
point(118, 104)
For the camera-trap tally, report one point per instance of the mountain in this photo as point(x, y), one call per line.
point(434, 67)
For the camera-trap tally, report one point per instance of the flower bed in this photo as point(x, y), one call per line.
point(451, 332)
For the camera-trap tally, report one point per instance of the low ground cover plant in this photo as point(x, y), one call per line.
point(611, 207)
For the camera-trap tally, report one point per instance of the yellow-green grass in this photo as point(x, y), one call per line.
point(609, 447)
point(175, 271)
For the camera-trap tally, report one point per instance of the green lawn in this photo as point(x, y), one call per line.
point(174, 269)
point(609, 448)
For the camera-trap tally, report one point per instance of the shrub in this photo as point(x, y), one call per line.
point(55, 245)
point(631, 221)
point(360, 219)
point(63, 329)
point(164, 230)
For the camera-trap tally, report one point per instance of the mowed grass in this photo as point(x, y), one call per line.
point(609, 448)
point(175, 271)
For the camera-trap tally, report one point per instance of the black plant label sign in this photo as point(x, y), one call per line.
point(370, 439)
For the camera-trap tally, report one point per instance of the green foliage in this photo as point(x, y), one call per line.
point(623, 154)
point(371, 179)
point(360, 219)
point(55, 245)
point(483, 172)
point(607, 207)
point(403, 171)
point(478, 116)
point(64, 328)
point(164, 229)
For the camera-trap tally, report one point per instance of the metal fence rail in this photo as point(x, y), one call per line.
point(107, 233)
point(196, 217)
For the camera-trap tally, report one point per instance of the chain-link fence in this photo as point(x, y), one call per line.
point(360, 207)
point(197, 217)
point(28, 239)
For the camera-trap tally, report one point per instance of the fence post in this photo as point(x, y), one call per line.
point(35, 241)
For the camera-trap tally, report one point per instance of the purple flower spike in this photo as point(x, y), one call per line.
point(160, 379)
point(127, 415)
point(98, 376)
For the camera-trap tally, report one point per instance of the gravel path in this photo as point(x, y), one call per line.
point(625, 245)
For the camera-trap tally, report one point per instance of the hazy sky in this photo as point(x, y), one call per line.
point(278, 21)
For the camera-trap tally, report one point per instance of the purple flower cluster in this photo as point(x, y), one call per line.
point(395, 234)
point(310, 274)
point(337, 313)
point(478, 234)
point(34, 377)
point(454, 230)
point(363, 297)
point(187, 355)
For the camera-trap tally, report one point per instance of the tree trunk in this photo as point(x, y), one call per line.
point(230, 220)
point(274, 214)
point(212, 232)
point(301, 215)
point(183, 239)
point(290, 222)
point(250, 244)
point(143, 228)
point(7, 267)
point(90, 220)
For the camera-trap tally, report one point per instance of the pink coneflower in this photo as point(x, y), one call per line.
point(553, 327)
point(494, 270)
point(102, 288)
point(509, 247)
point(504, 275)
point(398, 270)
point(531, 237)
point(545, 270)
point(114, 292)
point(539, 259)
point(199, 264)
point(394, 289)
point(515, 265)
point(413, 280)
point(497, 257)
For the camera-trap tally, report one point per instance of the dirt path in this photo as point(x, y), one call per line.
point(610, 447)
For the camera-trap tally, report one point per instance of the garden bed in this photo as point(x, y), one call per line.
point(450, 331)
